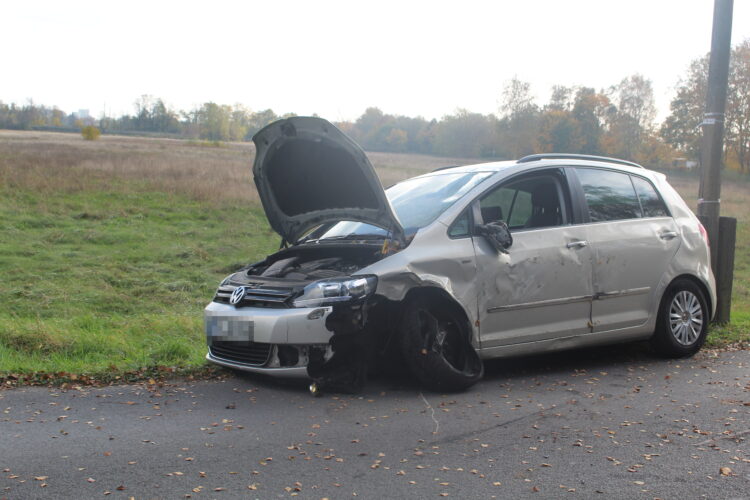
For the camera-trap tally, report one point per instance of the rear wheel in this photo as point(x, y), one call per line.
point(682, 323)
point(436, 345)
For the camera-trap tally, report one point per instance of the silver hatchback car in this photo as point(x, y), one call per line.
point(444, 270)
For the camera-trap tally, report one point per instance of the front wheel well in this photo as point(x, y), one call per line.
point(438, 295)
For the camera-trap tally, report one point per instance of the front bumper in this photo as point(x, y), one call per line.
point(235, 336)
point(292, 372)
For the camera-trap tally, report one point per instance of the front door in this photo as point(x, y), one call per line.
point(542, 288)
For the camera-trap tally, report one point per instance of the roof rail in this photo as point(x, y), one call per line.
point(445, 168)
point(566, 156)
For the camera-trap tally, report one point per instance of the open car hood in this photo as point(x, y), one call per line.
point(310, 173)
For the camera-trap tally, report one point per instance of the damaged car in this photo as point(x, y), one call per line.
point(456, 266)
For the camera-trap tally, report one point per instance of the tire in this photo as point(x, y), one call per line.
point(682, 322)
point(436, 346)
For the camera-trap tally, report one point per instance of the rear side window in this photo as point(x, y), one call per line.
point(609, 195)
point(651, 202)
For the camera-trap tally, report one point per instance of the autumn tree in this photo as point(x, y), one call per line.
point(518, 127)
point(681, 128)
point(630, 121)
point(738, 105)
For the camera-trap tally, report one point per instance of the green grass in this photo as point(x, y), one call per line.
point(110, 282)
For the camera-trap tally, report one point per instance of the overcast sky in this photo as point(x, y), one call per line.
point(337, 58)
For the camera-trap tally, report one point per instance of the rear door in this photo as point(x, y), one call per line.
point(540, 289)
point(633, 238)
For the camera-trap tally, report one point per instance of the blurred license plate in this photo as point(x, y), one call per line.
point(230, 328)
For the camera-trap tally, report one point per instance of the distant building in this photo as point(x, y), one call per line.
point(81, 114)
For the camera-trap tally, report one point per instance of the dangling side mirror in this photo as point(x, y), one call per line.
point(497, 234)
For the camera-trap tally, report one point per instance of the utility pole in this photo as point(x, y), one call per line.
point(709, 202)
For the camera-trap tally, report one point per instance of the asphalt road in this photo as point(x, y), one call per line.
point(601, 423)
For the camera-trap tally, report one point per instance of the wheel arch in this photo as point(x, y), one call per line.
point(699, 283)
point(439, 294)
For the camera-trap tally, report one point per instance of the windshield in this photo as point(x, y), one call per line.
point(417, 202)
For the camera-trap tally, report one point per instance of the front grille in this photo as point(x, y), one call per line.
point(249, 353)
point(255, 297)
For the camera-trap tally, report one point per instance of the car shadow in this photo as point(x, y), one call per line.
point(552, 363)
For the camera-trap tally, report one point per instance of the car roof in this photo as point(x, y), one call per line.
point(534, 162)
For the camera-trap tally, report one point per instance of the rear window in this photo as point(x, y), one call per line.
point(651, 202)
point(610, 195)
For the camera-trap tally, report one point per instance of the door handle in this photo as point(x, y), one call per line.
point(668, 235)
point(577, 244)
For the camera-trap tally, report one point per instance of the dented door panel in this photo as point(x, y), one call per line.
point(628, 271)
point(540, 289)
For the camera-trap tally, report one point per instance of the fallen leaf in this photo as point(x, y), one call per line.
point(91, 480)
point(725, 471)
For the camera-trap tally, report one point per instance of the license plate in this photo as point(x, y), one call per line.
point(230, 328)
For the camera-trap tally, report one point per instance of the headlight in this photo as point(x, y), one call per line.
point(327, 292)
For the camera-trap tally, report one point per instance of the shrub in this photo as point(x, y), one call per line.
point(90, 133)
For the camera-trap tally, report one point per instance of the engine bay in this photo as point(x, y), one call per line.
point(306, 264)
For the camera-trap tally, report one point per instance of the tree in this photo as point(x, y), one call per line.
point(465, 134)
point(738, 105)
point(214, 120)
point(559, 132)
point(517, 98)
point(681, 129)
point(590, 109)
point(631, 121)
point(518, 128)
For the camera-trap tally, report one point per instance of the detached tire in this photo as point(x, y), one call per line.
point(436, 345)
point(682, 323)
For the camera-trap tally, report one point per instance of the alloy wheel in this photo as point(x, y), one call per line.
point(685, 317)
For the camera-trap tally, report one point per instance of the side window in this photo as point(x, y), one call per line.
point(651, 203)
point(521, 209)
point(496, 205)
point(609, 195)
point(524, 204)
point(460, 227)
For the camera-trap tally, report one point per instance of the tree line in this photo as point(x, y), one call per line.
point(615, 121)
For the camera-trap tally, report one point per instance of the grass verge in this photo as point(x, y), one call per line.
point(103, 284)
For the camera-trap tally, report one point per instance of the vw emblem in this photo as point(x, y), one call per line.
point(237, 295)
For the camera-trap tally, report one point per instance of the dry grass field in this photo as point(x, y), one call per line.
point(203, 171)
point(110, 248)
